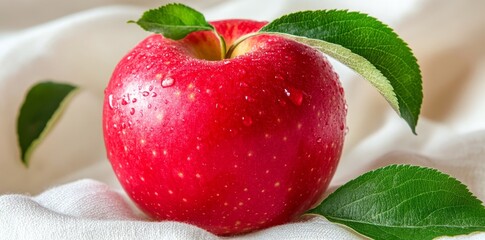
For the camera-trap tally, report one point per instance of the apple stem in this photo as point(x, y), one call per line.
point(222, 42)
point(237, 42)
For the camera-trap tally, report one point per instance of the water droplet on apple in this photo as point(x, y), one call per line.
point(110, 101)
point(134, 100)
point(243, 84)
point(247, 121)
point(282, 102)
point(128, 58)
point(279, 77)
point(295, 95)
point(319, 140)
point(132, 111)
point(167, 82)
point(145, 93)
point(249, 99)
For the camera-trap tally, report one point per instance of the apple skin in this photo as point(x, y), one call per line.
point(230, 145)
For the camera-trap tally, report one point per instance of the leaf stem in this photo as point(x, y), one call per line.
point(222, 43)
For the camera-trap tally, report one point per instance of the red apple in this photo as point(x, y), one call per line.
point(230, 145)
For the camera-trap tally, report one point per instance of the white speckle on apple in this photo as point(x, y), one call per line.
point(142, 179)
point(250, 154)
point(225, 203)
point(197, 175)
point(170, 191)
point(245, 189)
point(285, 138)
point(180, 174)
point(267, 171)
point(160, 116)
point(263, 190)
point(165, 152)
point(235, 165)
point(184, 199)
point(289, 189)
point(237, 223)
point(276, 184)
point(197, 147)
point(154, 153)
point(177, 93)
point(142, 141)
point(241, 203)
point(266, 135)
point(125, 148)
point(299, 125)
point(191, 97)
point(190, 86)
point(156, 194)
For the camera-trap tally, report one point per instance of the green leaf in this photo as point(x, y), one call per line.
point(405, 202)
point(367, 46)
point(41, 108)
point(174, 21)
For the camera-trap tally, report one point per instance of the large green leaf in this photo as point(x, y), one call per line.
point(41, 108)
point(405, 202)
point(173, 21)
point(367, 46)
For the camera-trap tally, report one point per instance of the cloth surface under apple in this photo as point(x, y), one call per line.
point(81, 42)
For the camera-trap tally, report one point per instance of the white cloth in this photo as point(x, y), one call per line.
point(80, 42)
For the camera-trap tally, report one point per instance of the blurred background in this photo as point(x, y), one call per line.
point(81, 41)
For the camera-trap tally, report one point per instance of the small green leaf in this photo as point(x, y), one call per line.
point(405, 202)
point(41, 108)
point(174, 21)
point(367, 46)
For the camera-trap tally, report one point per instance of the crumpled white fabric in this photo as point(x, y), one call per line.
point(70, 192)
